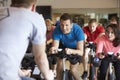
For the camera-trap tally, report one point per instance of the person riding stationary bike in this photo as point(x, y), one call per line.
point(92, 32)
point(110, 42)
point(72, 37)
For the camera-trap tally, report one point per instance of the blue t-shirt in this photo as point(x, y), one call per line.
point(69, 40)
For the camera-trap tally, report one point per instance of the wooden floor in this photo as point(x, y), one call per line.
point(67, 66)
point(80, 68)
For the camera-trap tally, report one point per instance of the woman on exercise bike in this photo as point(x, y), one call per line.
point(110, 42)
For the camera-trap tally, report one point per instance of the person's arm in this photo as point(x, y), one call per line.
point(99, 49)
point(41, 60)
point(55, 45)
point(85, 35)
point(49, 41)
point(79, 50)
point(101, 34)
point(79, 34)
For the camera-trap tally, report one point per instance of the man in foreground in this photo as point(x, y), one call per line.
point(21, 26)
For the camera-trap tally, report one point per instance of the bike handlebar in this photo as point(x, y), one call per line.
point(91, 45)
point(73, 58)
point(111, 57)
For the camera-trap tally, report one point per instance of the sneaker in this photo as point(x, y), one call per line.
point(84, 75)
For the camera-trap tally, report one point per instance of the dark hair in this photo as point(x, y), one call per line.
point(66, 16)
point(116, 31)
point(22, 3)
point(114, 19)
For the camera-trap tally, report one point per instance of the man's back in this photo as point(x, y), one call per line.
point(15, 32)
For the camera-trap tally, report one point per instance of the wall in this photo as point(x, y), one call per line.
point(101, 7)
point(81, 6)
point(79, 3)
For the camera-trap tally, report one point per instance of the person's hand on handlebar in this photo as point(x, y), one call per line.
point(118, 56)
point(101, 55)
point(68, 51)
point(53, 50)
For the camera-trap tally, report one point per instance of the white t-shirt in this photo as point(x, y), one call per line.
point(16, 30)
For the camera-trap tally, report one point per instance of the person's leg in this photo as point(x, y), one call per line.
point(117, 69)
point(54, 66)
point(75, 71)
point(85, 62)
point(103, 69)
point(59, 69)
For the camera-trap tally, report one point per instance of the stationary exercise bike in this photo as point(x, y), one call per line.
point(29, 63)
point(110, 71)
point(94, 62)
point(66, 74)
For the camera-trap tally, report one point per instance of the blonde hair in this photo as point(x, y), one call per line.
point(48, 22)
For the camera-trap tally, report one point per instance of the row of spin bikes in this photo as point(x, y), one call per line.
point(28, 62)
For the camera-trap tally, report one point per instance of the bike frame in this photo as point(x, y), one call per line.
point(66, 73)
point(64, 69)
point(92, 70)
point(110, 72)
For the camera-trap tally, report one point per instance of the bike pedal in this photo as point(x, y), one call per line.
point(84, 75)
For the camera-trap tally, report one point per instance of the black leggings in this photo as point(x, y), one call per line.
point(104, 66)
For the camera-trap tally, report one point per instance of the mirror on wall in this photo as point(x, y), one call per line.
point(82, 15)
point(3, 3)
point(4, 12)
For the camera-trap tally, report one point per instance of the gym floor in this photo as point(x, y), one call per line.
point(80, 68)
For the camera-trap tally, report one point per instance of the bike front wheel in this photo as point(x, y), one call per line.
point(111, 76)
point(92, 73)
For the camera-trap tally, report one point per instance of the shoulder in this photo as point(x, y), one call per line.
point(32, 16)
point(102, 38)
point(37, 16)
point(100, 27)
point(37, 19)
point(38, 22)
point(57, 30)
point(76, 27)
point(77, 30)
point(26, 15)
point(85, 28)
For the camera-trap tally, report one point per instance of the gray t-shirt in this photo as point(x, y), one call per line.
point(16, 30)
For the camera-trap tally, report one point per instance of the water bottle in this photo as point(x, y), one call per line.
point(96, 62)
point(96, 59)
